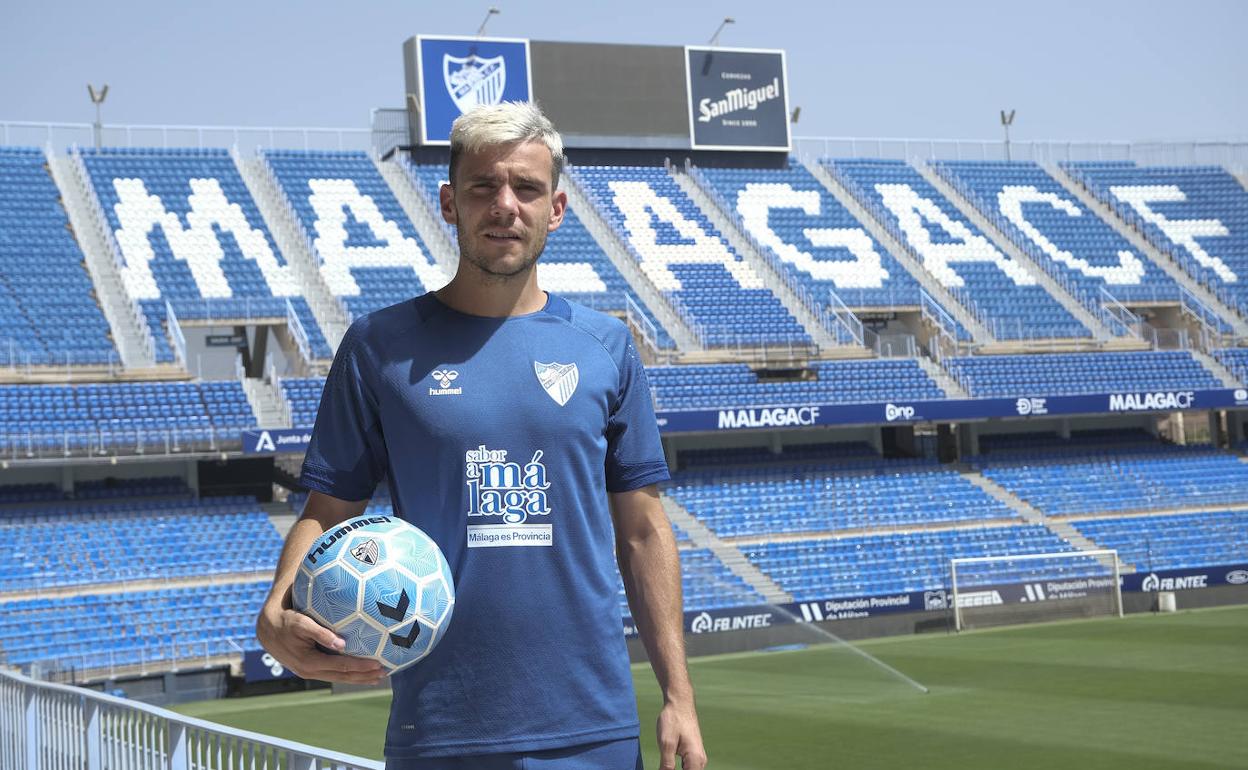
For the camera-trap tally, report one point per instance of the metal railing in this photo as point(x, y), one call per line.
point(47, 726)
point(116, 442)
point(299, 333)
point(20, 363)
point(645, 327)
point(246, 138)
point(176, 335)
point(1230, 153)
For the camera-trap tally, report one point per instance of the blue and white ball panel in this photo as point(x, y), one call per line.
point(335, 595)
point(363, 639)
point(435, 600)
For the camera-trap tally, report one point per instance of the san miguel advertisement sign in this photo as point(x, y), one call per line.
point(738, 99)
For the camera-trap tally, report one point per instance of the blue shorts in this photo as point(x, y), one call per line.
point(607, 755)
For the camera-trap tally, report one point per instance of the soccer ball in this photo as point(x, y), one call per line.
point(382, 585)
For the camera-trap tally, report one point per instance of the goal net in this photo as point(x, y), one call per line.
point(1005, 590)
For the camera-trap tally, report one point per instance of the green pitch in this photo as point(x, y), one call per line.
point(1141, 692)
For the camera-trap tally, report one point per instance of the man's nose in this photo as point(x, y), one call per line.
point(506, 204)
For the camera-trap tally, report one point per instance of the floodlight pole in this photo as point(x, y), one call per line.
point(1007, 119)
point(715, 38)
point(97, 98)
point(493, 11)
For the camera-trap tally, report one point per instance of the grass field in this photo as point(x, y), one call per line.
point(1146, 691)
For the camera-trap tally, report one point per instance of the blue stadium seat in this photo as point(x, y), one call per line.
point(371, 255)
point(1049, 224)
point(191, 235)
point(1073, 373)
point(685, 257)
point(716, 386)
point(1005, 296)
point(43, 419)
point(48, 314)
point(812, 237)
point(1196, 214)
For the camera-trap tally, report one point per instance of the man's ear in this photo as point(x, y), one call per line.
point(446, 197)
point(558, 207)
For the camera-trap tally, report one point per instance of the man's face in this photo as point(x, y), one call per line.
point(503, 204)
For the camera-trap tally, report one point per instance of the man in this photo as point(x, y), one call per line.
point(516, 429)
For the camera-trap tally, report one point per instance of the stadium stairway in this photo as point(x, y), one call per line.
point(1099, 330)
point(807, 316)
point(617, 252)
point(1140, 243)
point(428, 222)
point(1034, 515)
point(130, 331)
point(885, 238)
point(267, 402)
point(278, 215)
point(730, 555)
point(952, 388)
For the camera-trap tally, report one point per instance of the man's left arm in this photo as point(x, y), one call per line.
point(650, 567)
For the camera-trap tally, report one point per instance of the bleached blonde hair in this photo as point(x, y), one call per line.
point(505, 123)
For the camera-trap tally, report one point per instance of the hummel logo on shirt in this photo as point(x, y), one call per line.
point(444, 378)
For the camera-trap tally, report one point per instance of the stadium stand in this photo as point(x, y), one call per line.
point(1133, 478)
point(1176, 541)
point(47, 312)
point(814, 240)
point(1196, 214)
point(719, 295)
point(1074, 373)
point(105, 631)
point(1044, 220)
point(100, 417)
point(1001, 292)
point(121, 541)
point(893, 563)
point(824, 498)
point(573, 265)
point(723, 385)
point(1234, 359)
point(371, 255)
point(192, 236)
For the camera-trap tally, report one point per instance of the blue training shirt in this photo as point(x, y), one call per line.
point(500, 438)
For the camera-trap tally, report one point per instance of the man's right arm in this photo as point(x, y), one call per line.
point(291, 636)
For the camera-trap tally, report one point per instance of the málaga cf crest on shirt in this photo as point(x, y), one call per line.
point(558, 380)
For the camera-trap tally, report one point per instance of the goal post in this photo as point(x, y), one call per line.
point(1004, 590)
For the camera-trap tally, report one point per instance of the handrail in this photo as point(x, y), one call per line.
point(48, 725)
point(299, 333)
point(175, 333)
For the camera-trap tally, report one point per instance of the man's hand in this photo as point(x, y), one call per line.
point(679, 735)
point(291, 637)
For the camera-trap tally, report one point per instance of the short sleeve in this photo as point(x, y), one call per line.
point(347, 456)
point(634, 452)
